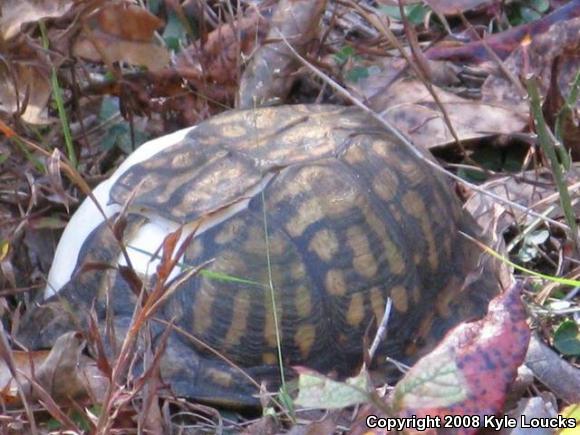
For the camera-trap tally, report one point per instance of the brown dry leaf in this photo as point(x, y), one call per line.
point(217, 59)
point(410, 107)
point(267, 78)
point(536, 57)
point(534, 189)
point(24, 83)
point(14, 13)
point(120, 31)
point(22, 362)
point(63, 372)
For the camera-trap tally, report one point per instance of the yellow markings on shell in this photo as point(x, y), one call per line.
point(276, 244)
point(400, 298)
point(298, 271)
point(231, 263)
point(390, 250)
point(383, 149)
point(377, 303)
point(269, 358)
point(202, 310)
point(229, 231)
point(286, 149)
point(356, 310)
point(239, 323)
point(303, 301)
point(385, 184)
point(233, 131)
point(355, 154)
point(308, 212)
point(414, 205)
point(220, 377)
point(414, 172)
point(269, 323)
point(179, 161)
point(304, 339)
point(324, 244)
point(363, 260)
point(335, 282)
point(205, 186)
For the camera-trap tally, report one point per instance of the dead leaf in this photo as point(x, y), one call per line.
point(25, 89)
point(126, 21)
point(267, 78)
point(22, 363)
point(120, 31)
point(14, 13)
point(410, 107)
point(536, 57)
point(63, 372)
point(66, 373)
point(534, 189)
point(471, 370)
point(217, 60)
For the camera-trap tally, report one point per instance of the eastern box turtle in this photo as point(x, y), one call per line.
point(317, 200)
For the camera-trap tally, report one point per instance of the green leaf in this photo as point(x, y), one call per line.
point(344, 54)
point(174, 32)
point(154, 6)
point(567, 338)
point(391, 11)
point(415, 13)
point(109, 108)
point(538, 237)
point(357, 73)
point(540, 5)
point(528, 15)
point(119, 132)
point(318, 391)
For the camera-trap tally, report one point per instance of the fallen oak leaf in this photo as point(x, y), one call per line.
point(470, 371)
point(120, 31)
point(410, 107)
point(68, 374)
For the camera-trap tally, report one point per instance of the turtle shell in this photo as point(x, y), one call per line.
point(307, 218)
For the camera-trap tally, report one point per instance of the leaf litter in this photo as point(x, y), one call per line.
point(114, 51)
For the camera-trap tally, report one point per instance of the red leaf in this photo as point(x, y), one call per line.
point(471, 370)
